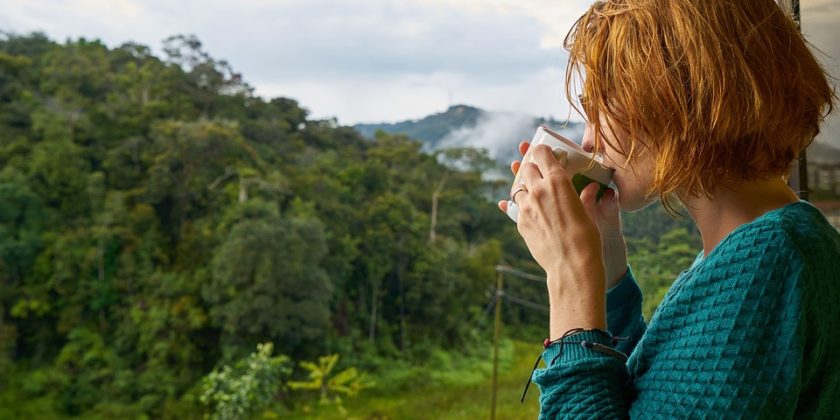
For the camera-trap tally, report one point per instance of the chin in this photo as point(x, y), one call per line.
point(632, 201)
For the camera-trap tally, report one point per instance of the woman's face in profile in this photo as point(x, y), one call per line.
point(631, 180)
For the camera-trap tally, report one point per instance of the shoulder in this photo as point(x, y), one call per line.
point(759, 268)
point(794, 237)
point(814, 239)
point(779, 262)
point(763, 249)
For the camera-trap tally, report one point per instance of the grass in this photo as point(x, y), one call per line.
point(446, 396)
point(450, 387)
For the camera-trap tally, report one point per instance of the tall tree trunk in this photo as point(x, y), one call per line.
point(435, 195)
point(340, 320)
point(243, 191)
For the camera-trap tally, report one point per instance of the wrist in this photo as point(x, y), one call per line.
point(618, 273)
point(566, 314)
point(576, 301)
point(576, 283)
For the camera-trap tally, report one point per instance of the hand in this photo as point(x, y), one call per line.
point(560, 231)
point(561, 236)
point(608, 219)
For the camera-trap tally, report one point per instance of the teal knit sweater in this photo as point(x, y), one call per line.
point(752, 329)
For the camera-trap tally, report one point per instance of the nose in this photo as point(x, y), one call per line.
point(588, 142)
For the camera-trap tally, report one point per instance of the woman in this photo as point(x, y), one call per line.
point(709, 102)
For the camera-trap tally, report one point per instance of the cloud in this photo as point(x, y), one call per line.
point(370, 60)
point(113, 21)
point(495, 132)
point(411, 96)
point(305, 39)
point(366, 60)
point(500, 133)
point(321, 38)
point(554, 17)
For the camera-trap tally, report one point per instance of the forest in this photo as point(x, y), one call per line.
point(174, 246)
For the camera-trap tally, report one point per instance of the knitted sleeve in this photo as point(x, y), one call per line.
point(724, 343)
point(624, 312)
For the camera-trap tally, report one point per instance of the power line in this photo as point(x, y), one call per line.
point(498, 294)
point(490, 305)
point(526, 303)
point(520, 274)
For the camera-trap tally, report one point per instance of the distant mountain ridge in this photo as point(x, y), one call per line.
point(465, 125)
point(430, 129)
point(500, 132)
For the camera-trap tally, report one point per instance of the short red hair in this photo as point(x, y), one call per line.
point(719, 91)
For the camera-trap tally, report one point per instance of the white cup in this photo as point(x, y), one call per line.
point(577, 161)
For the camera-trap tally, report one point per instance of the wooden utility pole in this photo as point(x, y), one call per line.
point(497, 334)
point(802, 163)
point(798, 176)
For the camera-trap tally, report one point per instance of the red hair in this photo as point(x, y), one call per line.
point(720, 91)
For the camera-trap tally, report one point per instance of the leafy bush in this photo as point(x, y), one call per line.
point(246, 388)
point(348, 382)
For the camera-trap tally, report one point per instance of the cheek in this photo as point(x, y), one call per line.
point(624, 180)
point(623, 189)
point(629, 191)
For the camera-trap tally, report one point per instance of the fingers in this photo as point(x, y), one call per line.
point(530, 174)
point(609, 213)
point(514, 168)
point(545, 159)
point(523, 147)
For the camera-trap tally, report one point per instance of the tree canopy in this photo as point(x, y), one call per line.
point(158, 220)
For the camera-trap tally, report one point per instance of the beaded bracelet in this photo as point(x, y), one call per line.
point(600, 348)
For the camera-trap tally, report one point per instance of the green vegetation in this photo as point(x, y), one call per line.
point(247, 388)
point(452, 387)
point(158, 222)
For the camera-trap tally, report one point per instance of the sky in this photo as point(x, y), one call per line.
point(373, 60)
point(356, 60)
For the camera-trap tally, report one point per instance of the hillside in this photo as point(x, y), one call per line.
point(464, 125)
point(159, 223)
point(430, 129)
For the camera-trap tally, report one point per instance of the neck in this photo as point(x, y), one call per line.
point(731, 207)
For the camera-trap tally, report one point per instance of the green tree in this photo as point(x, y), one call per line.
point(266, 281)
point(248, 387)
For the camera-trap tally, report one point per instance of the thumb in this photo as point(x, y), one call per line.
point(609, 212)
point(588, 197)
